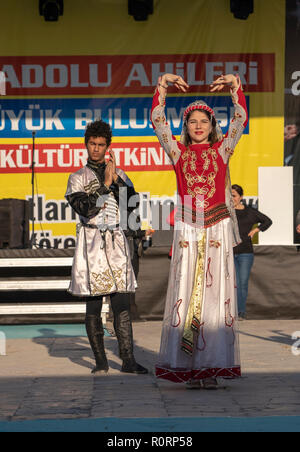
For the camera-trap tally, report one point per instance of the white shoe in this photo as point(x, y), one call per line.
point(193, 384)
point(210, 383)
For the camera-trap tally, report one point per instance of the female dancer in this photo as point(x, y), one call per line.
point(199, 339)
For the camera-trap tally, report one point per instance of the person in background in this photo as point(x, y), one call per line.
point(243, 253)
point(298, 222)
point(292, 158)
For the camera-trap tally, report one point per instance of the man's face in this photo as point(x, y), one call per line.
point(97, 147)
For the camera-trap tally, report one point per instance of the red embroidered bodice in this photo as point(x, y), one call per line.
point(201, 169)
point(201, 174)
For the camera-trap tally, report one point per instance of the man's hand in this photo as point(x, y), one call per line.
point(112, 158)
point(110, 175)
point(149, 232)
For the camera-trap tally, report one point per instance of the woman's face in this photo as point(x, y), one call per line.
point(199, 127)
point(236, 197)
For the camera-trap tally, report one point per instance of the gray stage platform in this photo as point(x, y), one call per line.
point(274, 288)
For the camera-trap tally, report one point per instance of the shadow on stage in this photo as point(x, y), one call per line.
point(78, 350)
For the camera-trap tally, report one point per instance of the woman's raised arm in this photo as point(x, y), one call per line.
point(240, 118)
point(158, 116)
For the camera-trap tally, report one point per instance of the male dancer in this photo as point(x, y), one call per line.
point(102, 263)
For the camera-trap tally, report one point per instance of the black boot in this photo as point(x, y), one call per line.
point(123, 329)
point(130, 366)
point(95, 332)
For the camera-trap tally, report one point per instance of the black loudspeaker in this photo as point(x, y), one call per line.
point(241, 8)
point(14, 223)
point(140, 9)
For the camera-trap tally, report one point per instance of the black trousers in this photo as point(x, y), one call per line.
point(120, 304)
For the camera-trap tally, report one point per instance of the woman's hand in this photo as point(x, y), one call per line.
point(298, 228)
point(224, 80)
point(176, 80)
point(253, 232)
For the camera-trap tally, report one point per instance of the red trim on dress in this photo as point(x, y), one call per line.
point(182, 376)
point(208, 274)
point(176, 307)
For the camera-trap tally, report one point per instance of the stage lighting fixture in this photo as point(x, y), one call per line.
point(51, 9)
point(241, 8)
point(140, 9)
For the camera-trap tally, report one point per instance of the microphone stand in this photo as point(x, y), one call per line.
point(32, 240)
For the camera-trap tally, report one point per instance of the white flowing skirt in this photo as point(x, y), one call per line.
point(215, 350)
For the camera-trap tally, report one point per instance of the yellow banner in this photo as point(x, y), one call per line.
point(97, 61)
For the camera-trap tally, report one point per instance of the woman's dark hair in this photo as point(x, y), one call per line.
point(212, 137)
point(98, 128)
point(238, 189)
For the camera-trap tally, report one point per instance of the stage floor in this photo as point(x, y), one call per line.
point(47, 377)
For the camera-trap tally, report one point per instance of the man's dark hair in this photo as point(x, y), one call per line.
point(98, 128)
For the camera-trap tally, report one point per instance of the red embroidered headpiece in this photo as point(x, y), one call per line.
point(197, 106)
